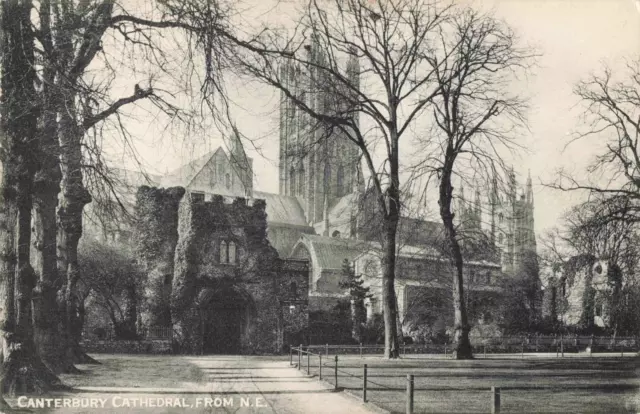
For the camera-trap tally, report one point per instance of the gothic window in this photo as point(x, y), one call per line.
point(340, 181)
point(224, 252)
point(500, 217)
point(292, 182)
point(232, 252)
point(312, 167)
point(293, 290)
point(227, 180)
point(197, 197)
point(301, 184)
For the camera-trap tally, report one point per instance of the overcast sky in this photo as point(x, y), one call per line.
point(575, 37)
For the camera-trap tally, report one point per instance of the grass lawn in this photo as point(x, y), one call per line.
point(540, 385)
point(134, 371)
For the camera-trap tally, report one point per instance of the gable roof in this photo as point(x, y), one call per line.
point(184, 175)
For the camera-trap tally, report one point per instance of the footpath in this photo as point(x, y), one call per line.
point(231, 384)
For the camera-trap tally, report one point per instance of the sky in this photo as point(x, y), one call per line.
point(574, 37)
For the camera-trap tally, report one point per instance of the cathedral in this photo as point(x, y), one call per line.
point(227, 260)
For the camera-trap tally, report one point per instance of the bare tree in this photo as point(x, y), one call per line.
point(476, 120)
point(50, 102)
point(22, 368)
point(611, 116)
point(376, 60)
point(72, 37)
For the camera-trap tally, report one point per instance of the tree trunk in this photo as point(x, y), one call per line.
point(47, 320)
point(461, 325)
point(392, 216)
point(74, 197)
point(48, 325)
point(22, 369)
point(8, 223)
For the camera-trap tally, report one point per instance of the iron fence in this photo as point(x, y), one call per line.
point(497, 345)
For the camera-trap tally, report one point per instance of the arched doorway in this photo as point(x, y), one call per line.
point(226, 317)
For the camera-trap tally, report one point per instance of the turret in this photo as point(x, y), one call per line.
point(529, 193)
point(353, 69)
point(512, 186)
point(493, 205)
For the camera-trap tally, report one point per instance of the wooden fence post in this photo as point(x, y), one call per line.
point(445, 350)
point(308, 364)
point(319, 366)
point(360, 349)
point(299, 356)
point(290, 355)
point(326, 349)
point(409, 394)
point(562, 345)
point(364, 383)
point(495, 400)
point(336, 372)
point(484, 350)
point(522, 350)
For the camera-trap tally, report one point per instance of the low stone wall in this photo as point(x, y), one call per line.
point(145, 346)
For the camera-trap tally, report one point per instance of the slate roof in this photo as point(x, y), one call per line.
point(282, 209)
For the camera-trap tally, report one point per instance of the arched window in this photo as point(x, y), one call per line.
point(327, 177)
point(227, 180)
point(292, 182)
point(232, 252)
point(340, 181)
point(301, 184)
point(224, 252)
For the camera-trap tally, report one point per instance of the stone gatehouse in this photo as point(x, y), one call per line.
point(214, 277)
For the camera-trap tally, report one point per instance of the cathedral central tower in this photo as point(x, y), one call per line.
point(318, 164)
